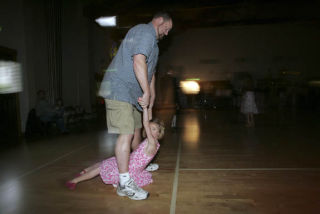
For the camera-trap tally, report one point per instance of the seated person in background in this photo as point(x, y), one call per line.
point(59, 108)
point(47, 113)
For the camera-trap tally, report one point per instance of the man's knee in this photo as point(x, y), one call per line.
point(125, 139)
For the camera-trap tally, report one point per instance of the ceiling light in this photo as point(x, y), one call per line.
point(193, 79)
point(107, 21)
point(190, 87)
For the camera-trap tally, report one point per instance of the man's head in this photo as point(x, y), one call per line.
point(162, 23)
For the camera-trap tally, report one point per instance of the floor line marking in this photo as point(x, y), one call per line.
point(175, 182)
point(251, 169)
point(43, 166)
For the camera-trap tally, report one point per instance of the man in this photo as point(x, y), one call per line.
point(131, 75)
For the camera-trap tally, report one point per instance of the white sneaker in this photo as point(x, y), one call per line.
point(152, 167)
point(132, 190)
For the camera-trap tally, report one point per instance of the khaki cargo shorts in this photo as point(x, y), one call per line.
point(122, 117)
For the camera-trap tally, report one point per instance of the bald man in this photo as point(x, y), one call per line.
point(131, 75)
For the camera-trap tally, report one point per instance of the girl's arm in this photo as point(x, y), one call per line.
point(146, 125)
point(151, 146)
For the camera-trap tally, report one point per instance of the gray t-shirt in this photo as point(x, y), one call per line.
point(119, 82)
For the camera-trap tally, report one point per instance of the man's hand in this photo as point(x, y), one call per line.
point(143, 103)
point(145, 99)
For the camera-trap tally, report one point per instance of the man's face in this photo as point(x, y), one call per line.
point(163, 29)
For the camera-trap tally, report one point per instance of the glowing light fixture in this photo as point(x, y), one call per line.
point(193, 79)
point(107, 21)
point(10, 77)
point(315, 83)
point(190, 87)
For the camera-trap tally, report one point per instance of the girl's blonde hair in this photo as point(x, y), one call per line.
point(160, 123)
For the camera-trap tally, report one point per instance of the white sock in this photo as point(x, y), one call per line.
point(123, 178)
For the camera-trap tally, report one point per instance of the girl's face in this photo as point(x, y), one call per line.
point(155, 130)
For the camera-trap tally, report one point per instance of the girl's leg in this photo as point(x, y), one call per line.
point(93, 172)
point(88, 169)
point(91, 167)
point(248, 120)
point(251, 120)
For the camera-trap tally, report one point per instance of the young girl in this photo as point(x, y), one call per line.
point(139, 159)
point(249, 107)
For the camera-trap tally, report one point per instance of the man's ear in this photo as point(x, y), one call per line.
point(160, 20)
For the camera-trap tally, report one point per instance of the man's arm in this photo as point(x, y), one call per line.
point(141, 71)
point(152, 95)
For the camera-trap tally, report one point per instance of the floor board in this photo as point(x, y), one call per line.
point(209, 163)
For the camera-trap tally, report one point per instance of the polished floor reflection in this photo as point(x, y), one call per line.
point(209, 163)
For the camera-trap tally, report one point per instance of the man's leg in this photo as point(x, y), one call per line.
point(122, 152)
point(136, 139)
point(137, 116)
point(120, 120)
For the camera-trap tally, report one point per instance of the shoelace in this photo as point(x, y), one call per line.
point(134, 186)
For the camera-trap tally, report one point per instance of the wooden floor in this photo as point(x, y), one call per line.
point(211, 163)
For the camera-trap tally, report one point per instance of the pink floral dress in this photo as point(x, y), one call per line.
point(138, 161)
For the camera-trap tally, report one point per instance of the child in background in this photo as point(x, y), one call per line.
point(249, 107)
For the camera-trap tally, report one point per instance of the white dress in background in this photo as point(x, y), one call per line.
point(248, 104)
